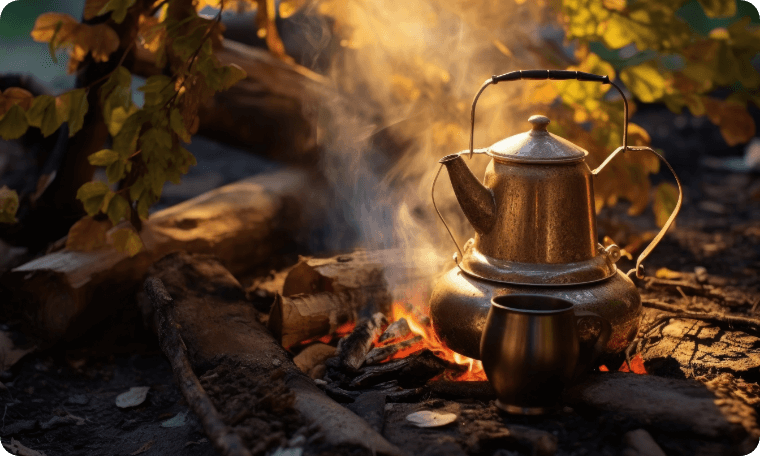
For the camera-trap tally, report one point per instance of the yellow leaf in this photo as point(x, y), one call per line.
point(736, 124)
point(151, 33)
point(644, 81)
point(13, 123)
point(8, 205)
point(88, 234)
point(127, 240)
point(54, 25)
point(15, 96)
point(718, 8)
point(665, 199)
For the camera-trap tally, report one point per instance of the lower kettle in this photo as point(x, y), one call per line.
point(460, 303)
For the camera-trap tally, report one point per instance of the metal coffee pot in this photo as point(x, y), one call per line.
point(535, 233)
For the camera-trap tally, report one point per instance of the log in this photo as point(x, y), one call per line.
point(223, 330)
point(223, 438)
point(397, 331)
point(380, 354)
point(62, 294)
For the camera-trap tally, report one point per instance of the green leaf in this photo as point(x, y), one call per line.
point(118, 117)
point(136, 189)
point(119, 8)
point(157, 178)
point(117, 90)
point(40, 105)
point(79, 107)
point(718, 8)
point(665, 199)
point(115, 171)
point(231, 74)
point(158, 89)
point(118, 208)
point(644, 81)
point(8, 205)
point(125, 141)
point(127, 240)
point(91, 195)
point(13, 125)
point(103, 158)
point(143, 204)
point(178, 125)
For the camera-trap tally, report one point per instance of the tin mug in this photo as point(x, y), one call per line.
point(530, 350)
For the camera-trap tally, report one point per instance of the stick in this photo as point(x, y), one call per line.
point(224, 439)
point(710, 317)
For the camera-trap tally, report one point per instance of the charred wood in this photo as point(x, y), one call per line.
point(60, 295)
point(398, 330)
point(353, 348)
point(219, 329)
point(380, 354)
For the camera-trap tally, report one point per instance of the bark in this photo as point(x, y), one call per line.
point(217, 329)
point(353, 348)
point(64, 293)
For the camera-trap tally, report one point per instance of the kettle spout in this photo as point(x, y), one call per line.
point(475, 199)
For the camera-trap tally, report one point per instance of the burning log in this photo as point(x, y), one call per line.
point(244, 224)
point(397, 331)
point(304, 317)
point(413, 371)
point(218, 329)
point(353, 348)
point(380, 354)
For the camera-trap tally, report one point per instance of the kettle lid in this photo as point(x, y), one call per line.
point(537, 146)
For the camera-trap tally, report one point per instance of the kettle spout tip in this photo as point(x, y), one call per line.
point(448, 158)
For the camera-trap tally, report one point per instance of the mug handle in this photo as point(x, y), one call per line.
point(604, 334)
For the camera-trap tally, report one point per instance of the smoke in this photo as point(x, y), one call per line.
point(407, 71)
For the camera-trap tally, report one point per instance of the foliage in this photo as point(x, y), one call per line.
point(146, 148)
point(668, 62)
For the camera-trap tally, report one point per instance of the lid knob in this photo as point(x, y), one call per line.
point(539, 122)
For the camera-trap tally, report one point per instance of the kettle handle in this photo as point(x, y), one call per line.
point(639, 270)
point(558, 75)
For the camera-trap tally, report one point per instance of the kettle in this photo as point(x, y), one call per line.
point(535, 231)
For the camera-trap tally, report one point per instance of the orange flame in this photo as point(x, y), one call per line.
point(472, 369)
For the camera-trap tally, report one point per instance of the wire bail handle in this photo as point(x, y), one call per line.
point(567, 75)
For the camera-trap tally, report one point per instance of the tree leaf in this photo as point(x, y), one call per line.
point(15, 96)
point(13, 124)
point(118, 117)
point(718, 8)
point(118, 208)
point(115, 171)
point(88, 234)
point(78, 110)
point(665, 199)
point(50, 26)
point(644, 81)
point(231, 74)
point(91, 195)
point(103, 158)
point(36, 112)
point(127, 240)
point(178, 125)
point(125, 141)
point(736, 124)
point(8, 205)
point(158, 89)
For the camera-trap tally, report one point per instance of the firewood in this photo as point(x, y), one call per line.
point(359, 270)
point(304, 317)
point(398, 330)
point(64, 293)
point(379, 354)
point(223, 438)
point(312, 356)
point(353, 348)
point(218, 329)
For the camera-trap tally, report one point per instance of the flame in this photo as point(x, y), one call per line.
point(471, 369)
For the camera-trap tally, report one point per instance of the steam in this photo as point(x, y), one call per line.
point(409, 70)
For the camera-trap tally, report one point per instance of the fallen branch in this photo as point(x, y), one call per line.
point(710, 317)
point(224, 438)
point(222, 329)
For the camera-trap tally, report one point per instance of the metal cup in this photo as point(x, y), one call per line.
point(530, 349)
